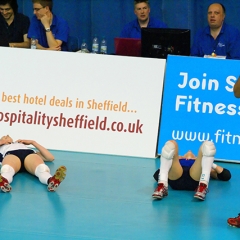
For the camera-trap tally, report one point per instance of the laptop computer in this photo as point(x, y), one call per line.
point(127, 47)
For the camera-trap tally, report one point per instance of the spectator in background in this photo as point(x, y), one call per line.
point(142, 11)
point(50, 30)
point(218, 38)
point(13, 25)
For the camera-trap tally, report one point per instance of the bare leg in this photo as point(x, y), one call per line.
point(200, 170)
point(31, 162)
point(36, 166)
point(12, 161)
point(196, 169)
point(176, 170)
point(169, 165)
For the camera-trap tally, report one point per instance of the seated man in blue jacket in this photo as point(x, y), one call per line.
point(218, 38)
point(142, 11)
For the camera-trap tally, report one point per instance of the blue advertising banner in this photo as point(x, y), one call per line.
point(199, 104)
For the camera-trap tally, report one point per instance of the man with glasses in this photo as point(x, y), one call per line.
point(50, 30)
point(13, 25)
point(142, 11)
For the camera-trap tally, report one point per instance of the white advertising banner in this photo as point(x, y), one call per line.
point(82, 102)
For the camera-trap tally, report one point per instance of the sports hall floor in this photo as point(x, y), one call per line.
point(109, 197)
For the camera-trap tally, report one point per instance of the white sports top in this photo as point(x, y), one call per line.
point(11, 147)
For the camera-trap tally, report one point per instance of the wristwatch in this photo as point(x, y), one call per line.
point(47, 29)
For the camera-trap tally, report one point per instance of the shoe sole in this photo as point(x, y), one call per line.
point(158, 197)
point(233, 226)
point(60, 175)
point(199, 197)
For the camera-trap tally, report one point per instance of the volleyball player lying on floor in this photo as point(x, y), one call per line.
point(188, 172)
point(17, 157)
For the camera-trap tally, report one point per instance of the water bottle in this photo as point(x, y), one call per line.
point(33, 43)
point(103, 48)
point(84, 47)
point(95, 45)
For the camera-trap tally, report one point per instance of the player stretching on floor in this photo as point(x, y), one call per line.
point(17, 157)
point(188, 172)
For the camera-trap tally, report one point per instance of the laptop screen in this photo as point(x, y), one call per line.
point(159, 42)
point(127, 47)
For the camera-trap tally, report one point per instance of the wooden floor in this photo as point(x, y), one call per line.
point(109, 197)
